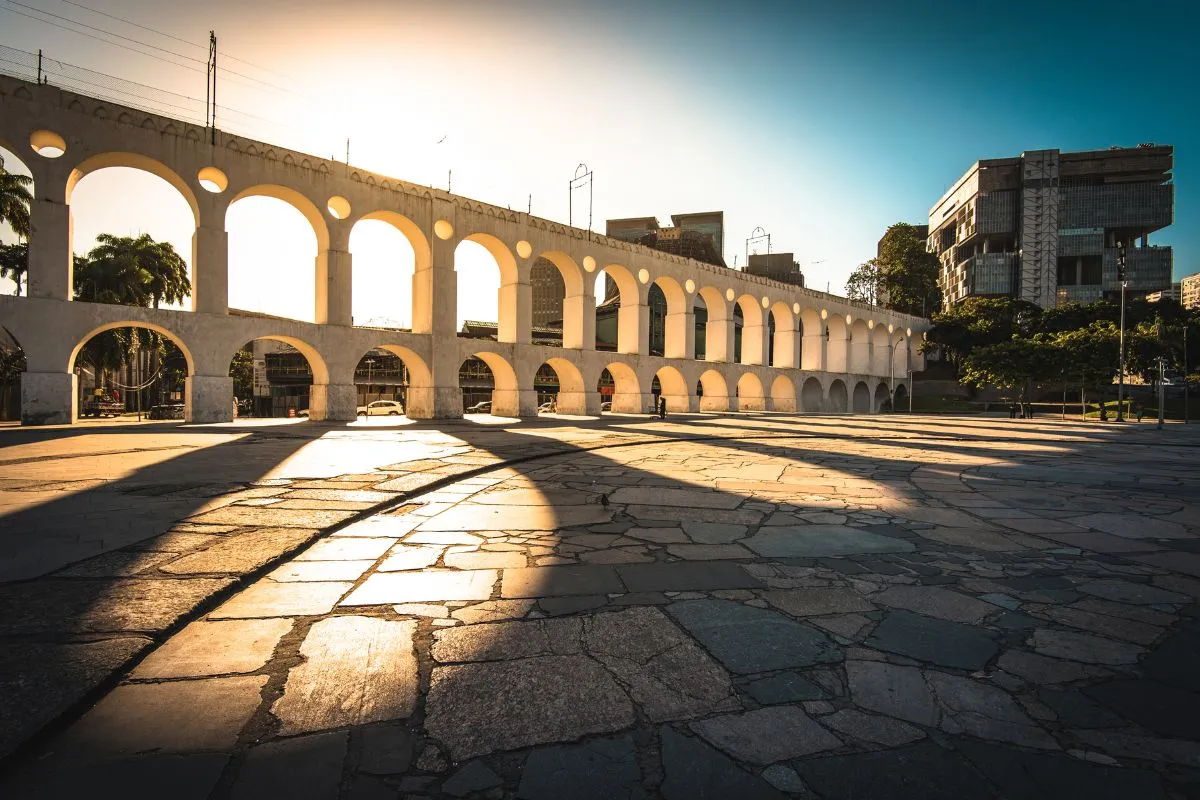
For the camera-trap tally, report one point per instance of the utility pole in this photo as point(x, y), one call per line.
point(39, 80)
point(210, 89)
point(1187, 418)
point(1162, 391)
point(1121, 374)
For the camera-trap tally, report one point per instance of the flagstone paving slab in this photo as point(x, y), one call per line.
point(808, 606)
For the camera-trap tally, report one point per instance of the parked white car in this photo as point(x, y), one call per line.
point(381, 408)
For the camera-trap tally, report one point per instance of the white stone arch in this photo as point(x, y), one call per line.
point(812, 348)
point(633, 315)
point(138, 161)
point(628, 394)
point(754, 330)
point(572, 395)
point(783, 394)
point(718, 330)
point(881, 398)
point(512, 326)
point(837, 344)
point(812, 396)
point(578, 307)
point(417, 240)
point(750, 394)
point(714, 391)
point(679, 327)
point(294, 198)
point(860, 348)
point(674, 389)
point(785, 346)
point(506, 395)
point(861, 401)
point(839, 398)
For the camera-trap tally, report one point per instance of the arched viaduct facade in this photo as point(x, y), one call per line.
point(827, 353)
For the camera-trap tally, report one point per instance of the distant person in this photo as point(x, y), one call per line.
point(1012, 410)
point(662, 408)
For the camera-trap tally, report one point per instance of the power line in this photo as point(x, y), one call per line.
point(137, 42)
point(172, 36)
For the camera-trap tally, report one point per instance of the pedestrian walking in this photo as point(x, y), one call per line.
point(662, 408)
point(1012, 410)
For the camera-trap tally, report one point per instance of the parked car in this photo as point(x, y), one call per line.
point(382, 408)
point(481, 408)
point(606, 406)
point(548, 406)
point(166, 411)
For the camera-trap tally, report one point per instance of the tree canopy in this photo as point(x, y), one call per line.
point(15, 200)
point(903, 276)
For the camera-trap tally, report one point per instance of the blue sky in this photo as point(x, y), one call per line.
point(822, 123)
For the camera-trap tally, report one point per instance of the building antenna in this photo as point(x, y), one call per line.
point(449, 178)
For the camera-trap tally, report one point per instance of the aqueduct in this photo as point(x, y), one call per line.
point(826, 353)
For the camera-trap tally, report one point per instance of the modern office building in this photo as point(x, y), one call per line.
point(781, 267)
point(1189, 291)
point(1164, 294)
point(700, 236)
point(1045, 226)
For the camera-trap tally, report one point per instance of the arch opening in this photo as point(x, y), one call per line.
point(750, 341)
point(671, 333)
point(559, 315)
point(489, 385)
point(838, 397)
point(883, 398)
point(560, 388)
point(383, 380)
point(619, 327)
point(713, 391)
point(620, 390)
point(881, 347)
point(860, 348)
point(783, 394)
point(673, 388)
point(384, 248)
point(15, 225)
point(837, 344)
point(12, 364)
point(813, 339)
point(276, 238)
point(139, 251)
point(782, 336)
point(131, 368)
point(750, 393)
point(486, 299)
point(900, 398)
point(862, 398)
point(278, 377)
point(811, 396)
point(717, 333)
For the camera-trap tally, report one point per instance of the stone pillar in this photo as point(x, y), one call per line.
point(515, 304)
point(208, 398)
point(754, 344)
point(334, 287)
point(435, 300)
point(49, 398)
point(514, 403)
point(786, 349)
point(579, 322)
point(680, 338)
point(812, 355)
point(633, 329)
point(210, 271)
point(718, 338)
point(50, 242)
point(333, 401)
point(633, 402)
point(583, 404)
point(860, 357)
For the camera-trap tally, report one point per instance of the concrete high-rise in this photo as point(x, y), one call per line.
point(1189, 291)
point(1045, 226)
point(781, 267)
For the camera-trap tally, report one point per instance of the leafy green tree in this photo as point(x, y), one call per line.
point(1015, 364)
point(863, 285)
point(14, 263)
point(908, 272)
point(1090, 356)
point(132, 271)
point(15, 201)
point(981, 321)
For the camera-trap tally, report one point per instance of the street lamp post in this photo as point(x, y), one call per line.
point(1121, 374)
point(1162, 392)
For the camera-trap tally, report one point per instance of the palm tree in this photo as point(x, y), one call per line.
point(15, 199)
point(133, 271)
point(14, 263)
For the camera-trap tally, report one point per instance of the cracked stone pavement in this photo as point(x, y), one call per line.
point(739, 606)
